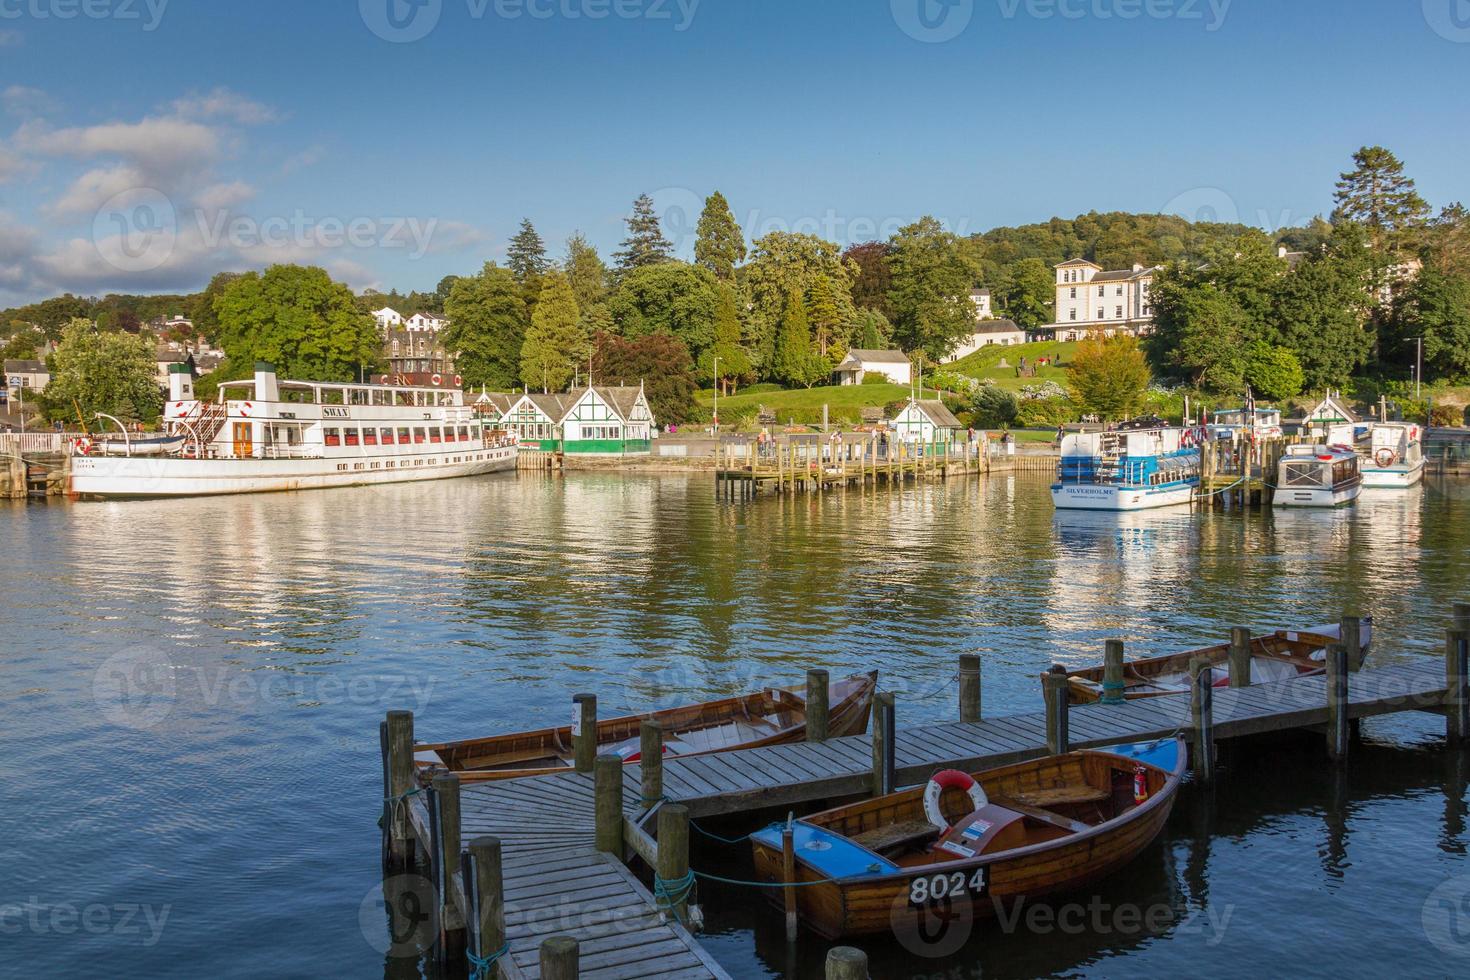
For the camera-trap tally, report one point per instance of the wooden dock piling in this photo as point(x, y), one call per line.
point(816, 705)
point(1457, 684)
point(608, 814)
point(788, 875)
point(651, 762)
point(584, 732)
point(1112, 690)
point(484, 872)
point(1352, 641)
point(969, 687)
point(1240, 657)
point(446, 862)
point(1338, 729)
point(1054, 690)
point(399, 762)
point(883, 736)
point(846, 963)
point(673, 859)
point(559, 958)
point(1202, 718)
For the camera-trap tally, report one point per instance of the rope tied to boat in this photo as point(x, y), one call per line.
point(731, 840)
point(393, 803)
point(484, 966)
point(669, 895)
point(932, 694)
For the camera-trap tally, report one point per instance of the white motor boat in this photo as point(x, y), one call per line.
point(1318, 476)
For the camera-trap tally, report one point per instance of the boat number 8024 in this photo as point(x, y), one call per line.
point(955, 884)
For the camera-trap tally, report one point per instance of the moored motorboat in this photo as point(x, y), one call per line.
point(1274, 656)
point(902, 861)
point(770, 717)
point(1131, 468)
point(1318, 476)
point(1392, 455)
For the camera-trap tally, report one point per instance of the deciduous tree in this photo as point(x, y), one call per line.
point(487, 327)
point(658, 362)
point(930, 295)
point(675, 298)
point(298, 319)
point(96, 370)
point(1108, 377)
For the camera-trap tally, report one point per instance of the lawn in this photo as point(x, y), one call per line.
point(984, 363)
point(804, 405)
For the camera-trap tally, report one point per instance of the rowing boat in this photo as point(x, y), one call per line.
point(1276, 656)
point(769, 717)
point(908, 860)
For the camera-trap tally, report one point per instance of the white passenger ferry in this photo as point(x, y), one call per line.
point(1318, 476)
point(1130, 469)
point(1392, 455)
point(267, 434)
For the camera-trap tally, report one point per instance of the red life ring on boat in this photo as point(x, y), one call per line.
point(83, 446)
point(458, 381)
point(950, 779)
point(437, 380)
point(1385, 457)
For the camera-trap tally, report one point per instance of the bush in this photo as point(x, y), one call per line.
point(1045, 413)
point(994, 407)
point(1446, 416)
point(874, 378)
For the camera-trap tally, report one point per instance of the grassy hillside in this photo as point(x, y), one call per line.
point(984, 362)
point(804, 405)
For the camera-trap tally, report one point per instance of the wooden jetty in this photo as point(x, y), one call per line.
point(535, 868)
point(839, 460)
point(34, 464)
point(1240, 472)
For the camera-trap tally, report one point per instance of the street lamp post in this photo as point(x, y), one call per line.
point(1418, 366)
point(717, 395)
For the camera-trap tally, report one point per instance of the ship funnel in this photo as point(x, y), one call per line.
point(266, 389)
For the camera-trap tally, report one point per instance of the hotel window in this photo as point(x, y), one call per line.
point(332, 437)
point(1074, 293)
point(1072, 314)
point(1119, 292)
point(1101, 290)
point(1118, 311)
point(1101, 313)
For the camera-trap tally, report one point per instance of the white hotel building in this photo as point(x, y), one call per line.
point(1095, 302)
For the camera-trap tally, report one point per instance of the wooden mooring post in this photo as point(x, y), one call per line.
point(1240, 657)
point(559, 958)
point(651, 762)
point(816, 705)
point(397, 739)
point(608, 806)
point(1338, 730)
point(446, 811)
point(1054, 690)
point(1202, 718)
point(1113, 687)
point(1457, 683)
point(584, 731)
point(673, 859)
point(788, 875)
point(883, 735)
point(970, 687)
point(846, 963)
point(484, 880)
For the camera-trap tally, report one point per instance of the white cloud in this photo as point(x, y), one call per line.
point(224, 104)
point(308, 157)
point(24, 101)
point(454, 236)
point(11, 164)
point(224, 197)
point(89, 192)
point(163, 149)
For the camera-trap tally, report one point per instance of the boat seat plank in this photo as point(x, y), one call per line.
point(1061, 796)
point(1041, 815)
point(882, 838)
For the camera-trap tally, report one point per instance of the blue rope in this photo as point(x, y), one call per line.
point(484, 965)
point(670, 895)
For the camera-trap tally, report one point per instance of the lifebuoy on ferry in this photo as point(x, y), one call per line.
point(950, 779)
point(83, 446)
point(458, 381)
point(1385, 457)
point(437, 380)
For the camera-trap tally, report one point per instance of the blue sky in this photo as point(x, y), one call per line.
point(145, 144)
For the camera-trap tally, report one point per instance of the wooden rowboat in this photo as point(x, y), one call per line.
point(770, 717)
point(1044, 826)
point(1274, 656)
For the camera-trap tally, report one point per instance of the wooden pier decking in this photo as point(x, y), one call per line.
point(558, 882)
point(839, 460)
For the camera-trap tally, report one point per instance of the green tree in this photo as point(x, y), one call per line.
point(1027, 294)
point(871, 278)
point(719, 245)
point(442, 291)
point(1274, 373)
point(1199, 331)
point(1321, 310)
point(645, 244)
point(794, 362)
point(930, 296)
point(1437, 307)
point(871, 330)
point(825, 318)
point(554, 344)
point(298, 319)
point(657, 362)
point(96, 370)
point(1108, 377)
point(994, 407)
point(779, 263)
point(1377, 195)
point(202, 313)
point(675, 298)
point(487, 326)
point(525, 256)
point(726, 352)
point(586, 271)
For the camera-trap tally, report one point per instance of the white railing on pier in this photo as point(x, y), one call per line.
point(28, 443)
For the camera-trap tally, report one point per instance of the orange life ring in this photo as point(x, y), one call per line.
point(458, 381)
point(437, 380)
point(1385, 457)
point(950, 779)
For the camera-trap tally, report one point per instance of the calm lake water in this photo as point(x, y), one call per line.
point(191, 693)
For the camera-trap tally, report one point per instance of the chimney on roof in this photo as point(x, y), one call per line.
point(1137, 267)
